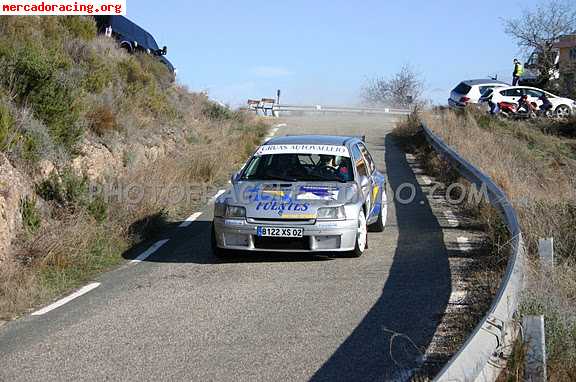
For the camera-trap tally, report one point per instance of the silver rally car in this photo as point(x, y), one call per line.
point(307, 193)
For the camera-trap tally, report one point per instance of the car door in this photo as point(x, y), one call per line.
point(534, 95)
point(376, 181)
point(363, 170)
point(511, 95)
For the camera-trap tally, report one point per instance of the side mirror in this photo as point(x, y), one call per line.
point(165, 50)
point(364, 182)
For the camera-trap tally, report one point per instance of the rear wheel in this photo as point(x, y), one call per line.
point(378, 225)
point(126, 45)
point(361, 236)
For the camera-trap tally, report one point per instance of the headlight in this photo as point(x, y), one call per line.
point(331, 213)
point(235, 212)
point(219, 210)
point(222, 210)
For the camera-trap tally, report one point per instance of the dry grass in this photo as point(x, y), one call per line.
point(75, 246)
point(538, 172)
point(59, 257)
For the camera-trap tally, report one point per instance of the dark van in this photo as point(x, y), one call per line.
point(132, 37)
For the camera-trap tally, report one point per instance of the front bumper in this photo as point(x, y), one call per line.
point(325, 236)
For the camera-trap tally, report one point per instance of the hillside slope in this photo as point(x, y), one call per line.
point(81, 119)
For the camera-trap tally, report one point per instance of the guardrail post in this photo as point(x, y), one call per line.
point(535, 340)
point(546, 252)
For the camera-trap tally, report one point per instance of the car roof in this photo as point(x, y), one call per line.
point(332, 140)
point(486, 81)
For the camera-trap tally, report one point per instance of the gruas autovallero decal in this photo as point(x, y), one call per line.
point(303, 149)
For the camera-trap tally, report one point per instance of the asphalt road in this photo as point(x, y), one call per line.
point(183, 315)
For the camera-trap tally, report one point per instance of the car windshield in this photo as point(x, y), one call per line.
point(299, 167)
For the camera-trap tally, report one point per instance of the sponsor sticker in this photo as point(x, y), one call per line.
point(317, 193)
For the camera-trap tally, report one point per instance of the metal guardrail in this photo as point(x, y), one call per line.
point(273, 109)
point(340, 109)
point(482, 355)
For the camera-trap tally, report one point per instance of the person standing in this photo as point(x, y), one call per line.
point(518, 71)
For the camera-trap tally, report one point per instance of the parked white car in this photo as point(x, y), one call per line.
point(562, 107)
point(470, 91)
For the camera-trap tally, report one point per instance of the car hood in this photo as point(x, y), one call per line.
point(298, 200)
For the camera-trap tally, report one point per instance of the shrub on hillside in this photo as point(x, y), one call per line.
point(80, 27)
point(30, 214)
point(102, 120)
point(214, 111)
point(6, 126)
point(35, 81)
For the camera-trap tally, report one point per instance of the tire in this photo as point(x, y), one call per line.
point(361, 236)
point(126, 45)
point(218, 252)
point(563, 111)
point(378, 225)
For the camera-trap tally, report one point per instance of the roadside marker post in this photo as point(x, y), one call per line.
point(535, 340)
point(546, 253)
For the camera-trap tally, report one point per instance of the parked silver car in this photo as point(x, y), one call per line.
point(302, 194)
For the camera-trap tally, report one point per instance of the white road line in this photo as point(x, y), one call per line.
point(212, 199)
point(66, 300)
point(451, 219)
point(156, 246)
point(464, 243)
point(190, 219)
point(280, 125)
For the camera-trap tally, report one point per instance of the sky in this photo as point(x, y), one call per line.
point(323, 52)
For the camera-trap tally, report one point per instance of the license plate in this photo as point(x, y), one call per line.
point(279, 232)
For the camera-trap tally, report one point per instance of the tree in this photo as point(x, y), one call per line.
point(537, 30)
point(403, 89)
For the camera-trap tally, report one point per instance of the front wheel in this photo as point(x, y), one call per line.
point(563, 111)
point(361, 236)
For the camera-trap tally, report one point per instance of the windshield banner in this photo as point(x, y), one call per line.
point(303, 149)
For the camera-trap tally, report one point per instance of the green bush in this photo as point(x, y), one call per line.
point(133, 74)
point(6, 127)
point(53, 100)
point(213, 111)
point(30, 215)
point(30, 148)
point(156, 102)
point(98, 208)
point(68, 189)
point(79, 27)
point(72, 191)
